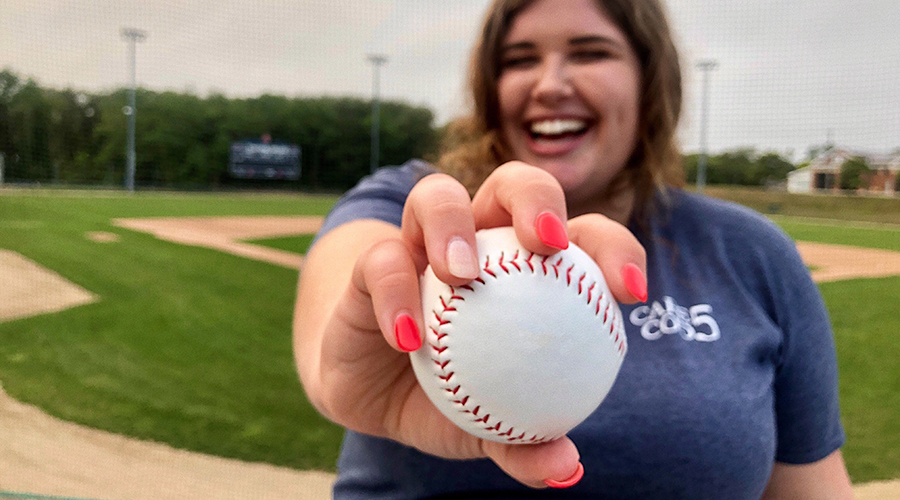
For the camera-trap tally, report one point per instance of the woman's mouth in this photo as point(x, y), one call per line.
point(555, 136)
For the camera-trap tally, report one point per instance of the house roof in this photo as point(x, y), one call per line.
point(833, 159)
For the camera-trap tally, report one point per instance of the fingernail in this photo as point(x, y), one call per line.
point(461, 259)
point(551, 231)
point(635, 281)
point(407, 333)
point(566, 483)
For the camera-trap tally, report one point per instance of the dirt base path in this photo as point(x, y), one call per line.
point(226, 234)
point(840, 262)
point(40, 454)
point(28, 289)
point(43, 455)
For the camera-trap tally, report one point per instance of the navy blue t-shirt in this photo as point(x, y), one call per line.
point(730, 367)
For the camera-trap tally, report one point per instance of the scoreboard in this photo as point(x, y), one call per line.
point(263, 160)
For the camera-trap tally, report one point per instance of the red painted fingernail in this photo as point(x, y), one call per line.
point(407, 333)
point(551, 231)
point(635, 281)
point(572, 481)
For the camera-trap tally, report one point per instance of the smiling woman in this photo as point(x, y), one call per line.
point(729, 388)
point(569, 97)
point(620, 64)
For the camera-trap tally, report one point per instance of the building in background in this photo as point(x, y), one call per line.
point(823, 174)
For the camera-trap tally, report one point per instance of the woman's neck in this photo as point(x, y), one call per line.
point(617, 207)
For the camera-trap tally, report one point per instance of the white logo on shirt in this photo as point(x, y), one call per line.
point(656, 321)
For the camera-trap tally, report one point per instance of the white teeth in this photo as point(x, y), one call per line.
point(556, 127)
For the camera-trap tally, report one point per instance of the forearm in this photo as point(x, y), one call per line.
point(324, 279)
point(826, 479)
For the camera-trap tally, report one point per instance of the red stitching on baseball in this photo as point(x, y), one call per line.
point(500, 263)
point(448, 306)
point(514, 263)
point(487, 264)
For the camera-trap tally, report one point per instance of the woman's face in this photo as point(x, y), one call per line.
point(569, 95)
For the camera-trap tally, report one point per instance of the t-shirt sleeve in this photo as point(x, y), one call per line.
point(806, 379)
point(379, 196)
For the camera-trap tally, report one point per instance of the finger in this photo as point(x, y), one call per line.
point(527, 198)
point(620, 256)
point(439, 226)
point(387, 275)
point(555, 463)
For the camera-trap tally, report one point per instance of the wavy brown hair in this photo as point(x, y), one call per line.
point(473, 145)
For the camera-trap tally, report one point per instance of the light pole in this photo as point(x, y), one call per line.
point(706, 66)
point(377, 60)
point(132, 36)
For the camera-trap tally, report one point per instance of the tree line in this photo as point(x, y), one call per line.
point(183, 140)
point(743, 167)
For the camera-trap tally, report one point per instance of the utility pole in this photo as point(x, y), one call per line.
point(706, 66)
point(132, 36)
point(377, 60)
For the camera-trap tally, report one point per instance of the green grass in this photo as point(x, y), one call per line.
point(866, 322)
point(187, 346)
point(840, 233)
point(296, 244)
point(192, 347)
point(838, 207)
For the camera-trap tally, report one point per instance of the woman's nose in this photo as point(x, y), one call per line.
point(554, 82)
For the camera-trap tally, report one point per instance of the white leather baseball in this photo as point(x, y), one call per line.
point(526, 351)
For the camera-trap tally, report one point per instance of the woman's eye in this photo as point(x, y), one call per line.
point(590, 55)
point(517, 62)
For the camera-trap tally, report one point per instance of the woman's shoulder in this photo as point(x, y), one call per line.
point(380, 195)
point(394, 179)
point(714, 218)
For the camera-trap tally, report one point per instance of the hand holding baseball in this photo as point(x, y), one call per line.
point(352, 348)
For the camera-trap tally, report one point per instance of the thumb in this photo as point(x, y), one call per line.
point(539, 465)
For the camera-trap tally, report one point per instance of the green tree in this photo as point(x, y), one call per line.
point(854, 173)
point(184, 140)
point(739, 167)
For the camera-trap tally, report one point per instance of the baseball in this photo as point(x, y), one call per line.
point(526, 351)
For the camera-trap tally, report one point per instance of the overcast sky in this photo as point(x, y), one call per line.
point(790, 73)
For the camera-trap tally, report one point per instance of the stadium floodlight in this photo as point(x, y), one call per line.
point(706, 66)
point(377, 60)
point(132, 36)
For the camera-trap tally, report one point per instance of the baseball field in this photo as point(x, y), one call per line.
point(177, 330)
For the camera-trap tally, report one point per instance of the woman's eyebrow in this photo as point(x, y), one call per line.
point(517, 46)
point(591, 39)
